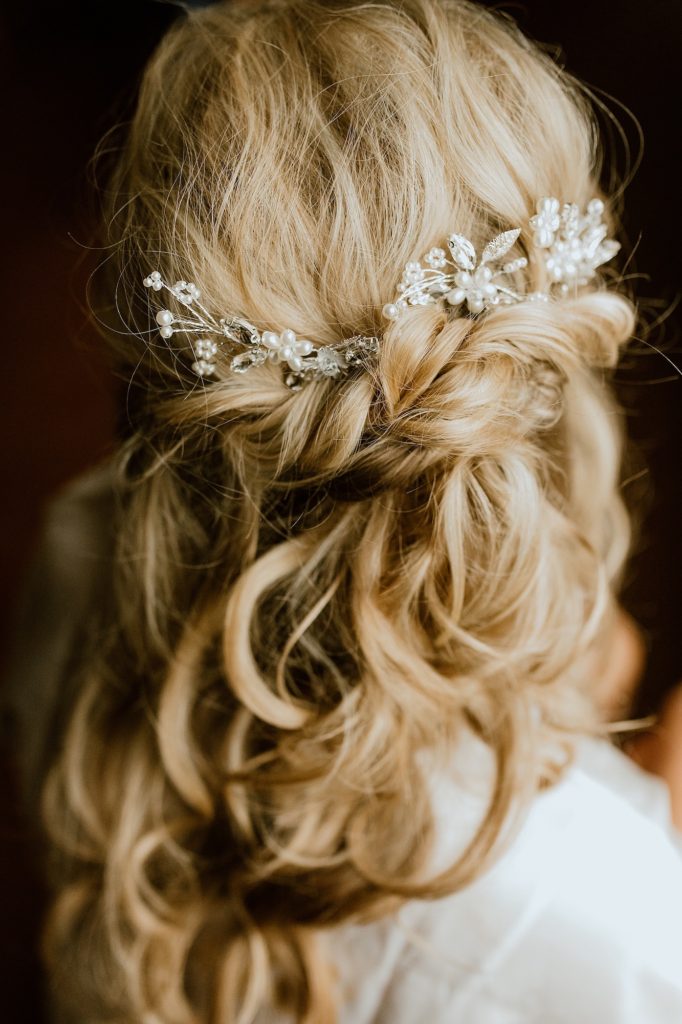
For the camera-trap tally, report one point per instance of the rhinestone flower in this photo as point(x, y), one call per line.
point(286, 348)
point(329, 362)
point(205, 350)
point(185, 292)
point(579, 245)
point(546, 221)
point(477, 289)
point(436, 258)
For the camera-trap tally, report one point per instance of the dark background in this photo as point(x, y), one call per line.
point(70, 71)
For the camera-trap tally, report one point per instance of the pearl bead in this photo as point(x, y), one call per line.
point(390, 311)
point(166, 332)
point(295, 362)
point(412, 266)
point(270, 339)
point(286, 352)
point(304, 347)
point(164, 317)
point(288, 337)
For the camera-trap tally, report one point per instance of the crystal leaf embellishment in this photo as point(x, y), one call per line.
point(500, 245)
point(245, 360)
point(463, 252)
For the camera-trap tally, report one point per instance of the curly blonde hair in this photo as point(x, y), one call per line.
point(312, 588)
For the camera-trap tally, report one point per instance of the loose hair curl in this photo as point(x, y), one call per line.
point(312, 589)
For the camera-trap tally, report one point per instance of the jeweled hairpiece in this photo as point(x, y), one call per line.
point(573, 245)
point(302, 358)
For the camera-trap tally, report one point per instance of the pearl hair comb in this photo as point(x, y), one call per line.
point(573, 245)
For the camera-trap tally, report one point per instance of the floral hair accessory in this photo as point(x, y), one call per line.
point(571, 244)
point(303, 359)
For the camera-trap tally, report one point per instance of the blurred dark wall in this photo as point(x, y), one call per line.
point(70, 72)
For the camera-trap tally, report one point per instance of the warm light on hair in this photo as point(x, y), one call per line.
point(313, 587)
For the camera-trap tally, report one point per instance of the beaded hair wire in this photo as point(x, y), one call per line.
point(573, 245)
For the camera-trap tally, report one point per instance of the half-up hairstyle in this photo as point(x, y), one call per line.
point(314, 588)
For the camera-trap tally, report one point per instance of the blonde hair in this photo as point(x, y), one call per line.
point(312, 587)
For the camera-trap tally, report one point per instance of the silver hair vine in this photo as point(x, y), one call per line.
point(302, 358)
point(572, 244)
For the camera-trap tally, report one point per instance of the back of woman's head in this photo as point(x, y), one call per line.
point(313, 586)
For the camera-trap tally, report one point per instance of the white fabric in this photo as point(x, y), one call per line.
point(580, 922)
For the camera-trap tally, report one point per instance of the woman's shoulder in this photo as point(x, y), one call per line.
point(67, 574)
point(579, 919)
